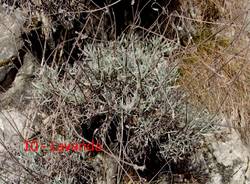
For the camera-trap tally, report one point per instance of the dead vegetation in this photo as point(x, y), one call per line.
point(215, 67)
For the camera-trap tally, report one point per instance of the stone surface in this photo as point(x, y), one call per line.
point(10, 29)
point(10, 39)
point(12, 128)
point(12, 123)
point(21, 85)
point(228, 159)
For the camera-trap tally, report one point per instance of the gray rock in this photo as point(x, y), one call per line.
point(10, 38)
point(229, 158)
point(11, 126)
point(14, 96)
point(10, 29)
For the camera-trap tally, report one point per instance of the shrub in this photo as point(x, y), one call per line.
point(124, 94)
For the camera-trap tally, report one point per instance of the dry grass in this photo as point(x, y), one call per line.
point(216, 67)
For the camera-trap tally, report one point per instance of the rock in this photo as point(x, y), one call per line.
point(12, 129)
point(12, 123)
point(10, 29)
point(15, 95)
point(228, 159)
point(10, 39)
point(13, 119)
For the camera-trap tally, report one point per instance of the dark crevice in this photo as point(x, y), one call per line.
point(10, 77)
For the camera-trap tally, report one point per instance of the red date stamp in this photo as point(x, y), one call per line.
point(35, 146)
